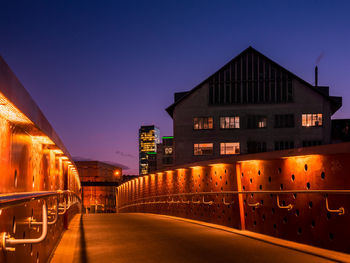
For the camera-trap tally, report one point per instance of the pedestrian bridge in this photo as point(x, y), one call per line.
point(133, 237)
point(269, 207)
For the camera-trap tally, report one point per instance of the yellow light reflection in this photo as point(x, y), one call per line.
point(57, 151)
point(9, 112)
point(42, 140)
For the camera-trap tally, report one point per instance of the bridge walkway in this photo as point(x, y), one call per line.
point(148, 238)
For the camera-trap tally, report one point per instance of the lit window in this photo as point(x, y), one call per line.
point(203, 123)
point(203, 149)
point(229, 122)
point(229, 148)
point(312, 120)
point(262, 123)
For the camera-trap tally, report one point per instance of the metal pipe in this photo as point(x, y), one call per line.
point(289, 207)
point(207, 203)
point(340, 211)
point(50, 222)
point(8, 241)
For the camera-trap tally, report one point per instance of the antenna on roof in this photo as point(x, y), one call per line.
point(316, 76)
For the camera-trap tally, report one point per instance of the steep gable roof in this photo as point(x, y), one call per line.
point(336, 102)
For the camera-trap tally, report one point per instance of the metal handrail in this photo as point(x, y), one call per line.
point(252, 192)
point(340, 211)
point(7, 240)
point(289, 207)
point(16, 199)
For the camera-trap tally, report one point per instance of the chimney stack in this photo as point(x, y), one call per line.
point(316, 76)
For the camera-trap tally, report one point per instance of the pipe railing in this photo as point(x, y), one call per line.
point(137, 202)
point(18, 199)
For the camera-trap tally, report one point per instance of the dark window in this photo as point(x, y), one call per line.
point(244, 67)
point(256, 147)
point(284, 145)
point(233, 92)
point(284, 88)
point(250, 92)
point(261, 91)
point(239, 93)
point(216, 93)
point(284, 121)
point(211, 94)
point(278, 87)
point(227, 75)
point(311, 143)
point(255, 67)
point(222, 93)
point(233, 72)
point(239, 70)
point(227, 95)
point(290, 89)
point(256, 122)
point(245, 93)
point(250, 67)
point(255, 91)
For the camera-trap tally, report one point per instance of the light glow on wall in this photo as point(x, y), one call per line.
point(9, 112)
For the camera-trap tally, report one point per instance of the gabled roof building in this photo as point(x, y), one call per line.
point(250, 105)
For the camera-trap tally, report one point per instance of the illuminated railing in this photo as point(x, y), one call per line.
point(69, 198)
point(154, 199)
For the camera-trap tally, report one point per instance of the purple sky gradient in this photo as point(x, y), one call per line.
point(100, 69)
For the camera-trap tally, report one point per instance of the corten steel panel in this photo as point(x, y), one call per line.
point(29, 165)
point(315, 168)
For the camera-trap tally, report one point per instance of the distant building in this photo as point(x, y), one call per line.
point(250, 105)
point(149, 136)
point(165, 152)
point(98, 181)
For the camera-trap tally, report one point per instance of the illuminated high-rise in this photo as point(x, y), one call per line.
point(149, 136)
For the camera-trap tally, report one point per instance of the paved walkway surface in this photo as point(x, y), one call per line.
point(146, 238)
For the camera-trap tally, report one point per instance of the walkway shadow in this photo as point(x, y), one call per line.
point(82, 241)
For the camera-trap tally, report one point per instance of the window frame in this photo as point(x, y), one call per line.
point(198, 148)
point(312, 118)
point(202, 123)
point(222, 120)
point(235, 148)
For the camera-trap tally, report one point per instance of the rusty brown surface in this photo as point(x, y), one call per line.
point(307, 222)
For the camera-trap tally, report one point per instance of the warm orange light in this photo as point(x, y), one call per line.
point(196, 167)
point(42, 140)
point(217, 164)
point(117, 172)
point(250, 161)
point(57, 151)
point(9, 112)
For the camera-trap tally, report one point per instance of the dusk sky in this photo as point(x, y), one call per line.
point(100, 69)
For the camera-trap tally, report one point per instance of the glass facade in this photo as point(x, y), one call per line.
point(149, 136)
